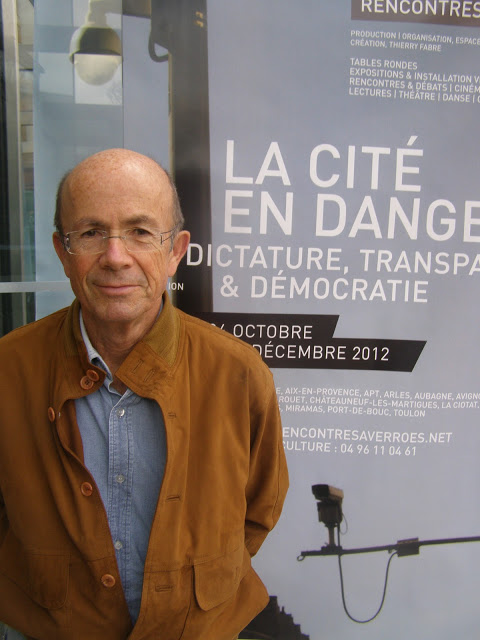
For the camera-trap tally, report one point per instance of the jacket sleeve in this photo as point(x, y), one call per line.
point(268, 479)
point(3, 518)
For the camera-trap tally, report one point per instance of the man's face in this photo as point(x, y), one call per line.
point(118, 287)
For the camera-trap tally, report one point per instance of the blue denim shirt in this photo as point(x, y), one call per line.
point(124, 446)
point(7, 633)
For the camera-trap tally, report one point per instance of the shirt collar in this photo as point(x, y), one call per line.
point(93, 355)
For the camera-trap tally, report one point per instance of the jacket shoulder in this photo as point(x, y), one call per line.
point(34, 335)
point(221, 341)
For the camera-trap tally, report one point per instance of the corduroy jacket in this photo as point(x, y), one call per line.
point(223, 489)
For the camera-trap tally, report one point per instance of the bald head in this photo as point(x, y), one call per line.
point(103, 170)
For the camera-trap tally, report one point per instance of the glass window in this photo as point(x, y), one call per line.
point(56, 108)
point(17, 243)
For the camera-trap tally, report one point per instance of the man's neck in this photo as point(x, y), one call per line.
point(115, 342)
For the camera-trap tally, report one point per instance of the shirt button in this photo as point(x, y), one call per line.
point(118, 545)
point(86, 383)
point(51, 414)
point(120, 478)
point(120, 413)
point(108, 580)
point(86, 488)
point(93, 375)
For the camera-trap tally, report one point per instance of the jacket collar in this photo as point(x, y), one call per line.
point(164, 337)
point(149, 365)
point(148, 369)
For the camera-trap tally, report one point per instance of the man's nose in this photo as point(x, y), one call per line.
point(115, 251)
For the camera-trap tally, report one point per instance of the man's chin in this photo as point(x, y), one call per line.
point(114, 312)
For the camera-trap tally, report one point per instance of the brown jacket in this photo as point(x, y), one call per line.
point(224, 485)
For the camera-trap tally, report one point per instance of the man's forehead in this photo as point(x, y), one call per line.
point(111, 208)
point(109, 221)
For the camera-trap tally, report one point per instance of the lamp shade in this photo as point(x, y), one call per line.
point(96, 53)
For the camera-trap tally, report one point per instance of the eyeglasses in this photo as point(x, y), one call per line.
point(135, 240)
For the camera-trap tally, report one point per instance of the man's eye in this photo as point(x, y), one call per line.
point(91, 233)
point(138, 232)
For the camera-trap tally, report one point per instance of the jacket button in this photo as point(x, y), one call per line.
point(86, 382)
point(108, 580)
point(86, 488)
point(93, 375)
point(51, 414)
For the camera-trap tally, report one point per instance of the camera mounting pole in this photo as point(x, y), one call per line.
point(329, 507)
point(407, 547)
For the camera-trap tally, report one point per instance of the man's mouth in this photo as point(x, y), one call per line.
point(116, 287)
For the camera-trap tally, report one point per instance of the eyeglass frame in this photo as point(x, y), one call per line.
point(66, 240)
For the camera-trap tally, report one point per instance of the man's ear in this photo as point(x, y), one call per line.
point(61, 252)
point(180, 246)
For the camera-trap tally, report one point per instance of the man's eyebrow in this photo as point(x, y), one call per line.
point(141, 219)
point(127, 223)
point(88, 222)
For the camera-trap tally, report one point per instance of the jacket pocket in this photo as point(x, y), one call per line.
point(217, 580)
point(43, 576)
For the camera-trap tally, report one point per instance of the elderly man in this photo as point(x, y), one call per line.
point(141, 461)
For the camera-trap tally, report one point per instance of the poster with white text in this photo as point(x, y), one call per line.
point(345, 230)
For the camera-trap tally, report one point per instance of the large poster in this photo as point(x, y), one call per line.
point(344, 141)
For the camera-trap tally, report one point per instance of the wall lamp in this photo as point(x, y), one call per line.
point(96, 48)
